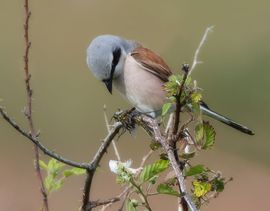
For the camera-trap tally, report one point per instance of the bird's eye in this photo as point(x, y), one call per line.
point(116, 57)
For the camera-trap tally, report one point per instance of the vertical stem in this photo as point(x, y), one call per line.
point(185, 68)
point(28, 109)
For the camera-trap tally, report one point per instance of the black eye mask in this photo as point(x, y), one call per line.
point(116, 57)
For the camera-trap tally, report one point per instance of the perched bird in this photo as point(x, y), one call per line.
point(139, 75)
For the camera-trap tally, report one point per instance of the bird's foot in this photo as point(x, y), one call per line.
point(127, 118)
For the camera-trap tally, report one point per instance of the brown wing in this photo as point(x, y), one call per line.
point(152, 62)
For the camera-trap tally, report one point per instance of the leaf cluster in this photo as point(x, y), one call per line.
point(57, 173)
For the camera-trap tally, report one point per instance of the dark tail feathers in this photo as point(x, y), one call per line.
point(207, 111)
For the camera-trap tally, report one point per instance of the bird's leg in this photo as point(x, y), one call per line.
point(127, 118)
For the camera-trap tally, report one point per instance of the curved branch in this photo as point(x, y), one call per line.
point(87, 166)
point(86, 204)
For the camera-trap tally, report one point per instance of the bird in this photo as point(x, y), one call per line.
point(139, 74)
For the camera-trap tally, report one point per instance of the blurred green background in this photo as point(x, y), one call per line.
point(68, 100)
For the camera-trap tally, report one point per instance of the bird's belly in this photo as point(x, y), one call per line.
point(143, 89)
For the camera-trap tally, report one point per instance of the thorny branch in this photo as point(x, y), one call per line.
point(158, 136)
point(28, 108)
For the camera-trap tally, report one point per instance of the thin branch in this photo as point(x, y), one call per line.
point(169, 123)
point(141, 195)
point(98, 203)
point(170, 152)
point(94, 164)
point(144, 159)
point(116, 151)
point(185, 69)
point(196, 55)
point(51, 153)
point(28, 109)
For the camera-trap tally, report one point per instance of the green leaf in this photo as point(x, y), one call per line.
point(54, 167)
point(43, 165)
point(150, 171)
point(209, 134)
point(68, 173)
point(198, 169)
point(201, 188)
point(131, 204)
point(218, 184)
point(196, 97)
point(57, 184)
point(166, 189)
point(199, 133)
point(165, 108)
point(188, 81)
point(73, 171)
point(48, 182)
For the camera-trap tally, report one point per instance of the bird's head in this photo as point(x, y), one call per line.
point(106, 56)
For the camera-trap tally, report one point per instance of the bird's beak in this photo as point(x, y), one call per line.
point(108, 84)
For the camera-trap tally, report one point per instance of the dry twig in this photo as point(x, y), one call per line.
point(196, 55)
point(116, 151)
point(28, 108)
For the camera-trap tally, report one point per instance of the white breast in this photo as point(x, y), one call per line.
point(142, 89)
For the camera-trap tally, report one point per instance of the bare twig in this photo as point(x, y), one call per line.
point(51, 153)
point(98, 203)
point(94, 164)
point(196, 55)
point(28, 109)
point(144, 159)
point(116, 151)
point(169, 124)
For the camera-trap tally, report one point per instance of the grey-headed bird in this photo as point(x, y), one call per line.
point(138, 74)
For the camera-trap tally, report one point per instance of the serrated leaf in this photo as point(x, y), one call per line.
point(165, 108)
point(218, 184)
point(166, 189)
point(201, 188)
point(150, 171)
point(199, 133)
point(209, 134)
point(43, 165)
point(198, 169)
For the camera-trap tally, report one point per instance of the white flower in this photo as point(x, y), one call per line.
point(114, 166)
